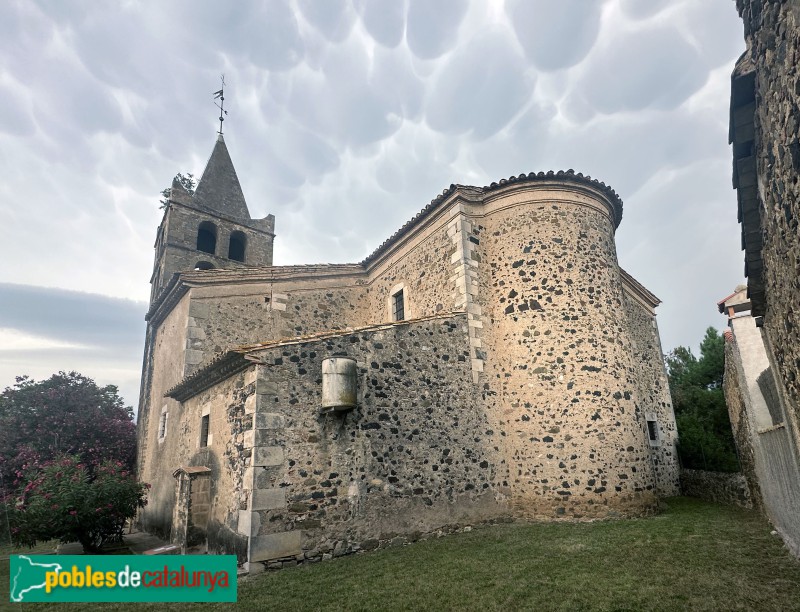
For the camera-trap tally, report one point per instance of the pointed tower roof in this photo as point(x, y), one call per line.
point(219, 189)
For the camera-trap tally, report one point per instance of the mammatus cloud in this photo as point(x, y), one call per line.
point(665, 70)
point(346, 118)
point(480, 89)
point(642, 9)
point(555, 35)
point(384, 20)
point(432, 27)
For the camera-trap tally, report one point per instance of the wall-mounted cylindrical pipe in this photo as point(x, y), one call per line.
point(339, 386)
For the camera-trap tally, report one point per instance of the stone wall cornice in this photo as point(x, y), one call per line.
point(566, 178)
point(638, 291)
point(475, 195)
point(218, 369)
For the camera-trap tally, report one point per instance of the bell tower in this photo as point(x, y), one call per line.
point(212, 228)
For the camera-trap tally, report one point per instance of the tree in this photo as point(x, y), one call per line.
point(63, 499)
point(704, 428)
point(67, 413)
point(187, 182)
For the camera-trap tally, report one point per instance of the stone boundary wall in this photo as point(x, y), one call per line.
point(718, 487)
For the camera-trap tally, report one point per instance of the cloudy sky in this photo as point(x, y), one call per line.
point(346, 118)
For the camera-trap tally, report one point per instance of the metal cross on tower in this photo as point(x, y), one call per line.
point(220, 95)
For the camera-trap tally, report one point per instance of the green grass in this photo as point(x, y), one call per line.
point(694, 556)
point(42, 548)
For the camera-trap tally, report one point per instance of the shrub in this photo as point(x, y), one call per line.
point(65, 414)
point(66, 500)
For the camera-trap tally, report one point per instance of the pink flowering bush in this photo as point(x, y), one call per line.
point(66, 414)
point(65, 500)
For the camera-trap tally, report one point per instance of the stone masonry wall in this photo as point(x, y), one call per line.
point(227, 455)
point(560, 383)
point(264, 312)
point(412, 458)
point(154, 453)
point(522, 395)
point(772, 30)
point(718, 487)
point(654, 395)
point(423, 271)
point(179, 242)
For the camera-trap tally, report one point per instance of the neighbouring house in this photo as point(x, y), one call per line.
point(767, 450)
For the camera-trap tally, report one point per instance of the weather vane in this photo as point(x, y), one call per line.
point(220, 95)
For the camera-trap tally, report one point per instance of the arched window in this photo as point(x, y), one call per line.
point(203, 265)
point(207, 237)
point(236, 246)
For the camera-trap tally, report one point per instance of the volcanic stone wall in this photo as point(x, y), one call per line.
point(227, 454)
point(772, 31)
point(423, 270)
point(413, 457)
point(653, 393)
point(560, 383)
point(718, 487)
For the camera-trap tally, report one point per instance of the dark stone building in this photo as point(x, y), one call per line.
point(764, 133)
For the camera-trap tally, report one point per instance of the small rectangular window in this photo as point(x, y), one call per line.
point(204, 432)
point(652, 430)
point(398, 307)
point(162, 426)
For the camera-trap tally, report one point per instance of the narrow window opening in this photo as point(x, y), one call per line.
point(207, 237)
point(203, 265)
point(162, 426)
point(204, 432)
point(398, 307)
point(236, 246)
point(652, 430)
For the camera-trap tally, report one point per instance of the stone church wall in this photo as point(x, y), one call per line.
point(413, 457)
point(422, 267)
point(227, 454)
point(654, 395)
point(235, 315)
point(517, 393)
point(560, 382)
point(167, 349)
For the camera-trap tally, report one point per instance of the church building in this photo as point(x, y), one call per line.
point(490, 360)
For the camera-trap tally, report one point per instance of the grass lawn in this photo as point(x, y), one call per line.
point(694, 556)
